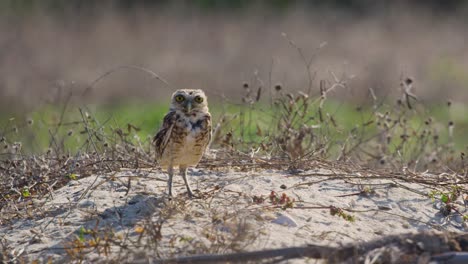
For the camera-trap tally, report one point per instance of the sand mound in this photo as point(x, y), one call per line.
point(126, 215)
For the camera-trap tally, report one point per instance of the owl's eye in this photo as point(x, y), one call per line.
point(179, 98)
point(198, 99)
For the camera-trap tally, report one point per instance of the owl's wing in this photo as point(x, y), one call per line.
point(208, 128)
point(164, 134)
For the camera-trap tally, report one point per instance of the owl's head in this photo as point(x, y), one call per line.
point(189, 101)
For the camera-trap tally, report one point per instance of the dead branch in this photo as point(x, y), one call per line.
point(410, 247)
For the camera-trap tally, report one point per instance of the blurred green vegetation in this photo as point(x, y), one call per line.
point(252, 124)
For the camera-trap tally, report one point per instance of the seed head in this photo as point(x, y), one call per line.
point(70, 133)
point(404, 137)
point(278, 87)
point(17, 146)
point(449, 103)
point(408, 81)
point(245, 85)
point(30, 121)
point(428, 121)
point(303, 95)
point(450, 123)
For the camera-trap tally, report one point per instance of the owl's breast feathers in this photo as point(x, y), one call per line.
point(182, 139)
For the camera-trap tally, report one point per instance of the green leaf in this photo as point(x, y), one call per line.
point(81, 234)
point(26, 192)
point(444, 198)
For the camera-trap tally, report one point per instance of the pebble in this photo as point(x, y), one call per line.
point(437, 205)
point(268, 217)
point(458, 219)
point(122, 189)
point(285, 220)
point(385, 206)
point(73, 183)
point(86, 204)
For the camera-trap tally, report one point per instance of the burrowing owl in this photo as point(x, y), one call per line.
point(184, 134)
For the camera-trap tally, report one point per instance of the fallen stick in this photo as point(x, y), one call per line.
point(439, 246)
point(316, 252)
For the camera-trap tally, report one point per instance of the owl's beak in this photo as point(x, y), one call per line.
point(189, 107)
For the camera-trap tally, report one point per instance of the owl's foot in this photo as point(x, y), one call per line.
point(190, 193)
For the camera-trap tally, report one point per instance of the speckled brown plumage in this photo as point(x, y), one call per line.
point(184, 134)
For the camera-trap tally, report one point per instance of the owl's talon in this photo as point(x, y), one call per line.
point(193, 196)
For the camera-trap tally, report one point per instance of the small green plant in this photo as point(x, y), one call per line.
point(26, 192)
point(282, 200)
point(447, 200)
point(448, 196)
point(258, 199)
point(81, 233)
point(72, 176)
point(278, 200)
point(341, 213)
point(89, 240)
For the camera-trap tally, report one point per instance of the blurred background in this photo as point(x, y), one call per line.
point(52, 47)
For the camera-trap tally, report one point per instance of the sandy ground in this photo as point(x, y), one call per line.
point(233, 213)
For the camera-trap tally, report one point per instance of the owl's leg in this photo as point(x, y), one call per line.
point(170, 171)
point(183, 172)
